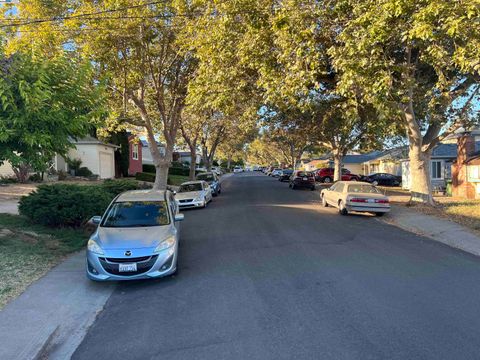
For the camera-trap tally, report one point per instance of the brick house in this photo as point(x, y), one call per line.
point(135, 155)
point(466, 168)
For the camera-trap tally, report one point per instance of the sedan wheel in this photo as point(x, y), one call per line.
point(324, 202)
point(327, 180)
point(341, 208)
point(375, 183)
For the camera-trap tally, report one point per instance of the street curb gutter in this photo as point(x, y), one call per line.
point(441, 230)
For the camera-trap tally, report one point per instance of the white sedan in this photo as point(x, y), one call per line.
point(194, 194)
point(357, 196)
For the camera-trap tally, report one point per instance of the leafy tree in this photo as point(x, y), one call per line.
point(418, 62)
point(134, 47)
point(43, 104)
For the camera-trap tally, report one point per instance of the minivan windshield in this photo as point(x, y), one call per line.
point(190, 187)
point(137, 214)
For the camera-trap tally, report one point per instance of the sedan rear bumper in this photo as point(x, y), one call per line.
point(373, 209)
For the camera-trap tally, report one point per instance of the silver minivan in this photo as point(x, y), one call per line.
point(136, 238)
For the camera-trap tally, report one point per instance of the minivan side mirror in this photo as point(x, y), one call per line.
point(95, 220)
point(179, 217)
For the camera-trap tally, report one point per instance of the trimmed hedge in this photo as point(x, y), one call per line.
point(70, 204)
point(64, 204)
point(174, 170)
point(145, 176)
point(116, 187)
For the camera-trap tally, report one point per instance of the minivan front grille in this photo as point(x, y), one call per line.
point(128, 260)
point(142, 266)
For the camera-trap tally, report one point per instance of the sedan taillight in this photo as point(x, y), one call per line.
point(358, 200)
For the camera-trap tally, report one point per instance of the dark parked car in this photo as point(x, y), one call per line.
point(212, 179)
point(285, 175)
point(383, 179)
point(326, 175)
point(302, 179)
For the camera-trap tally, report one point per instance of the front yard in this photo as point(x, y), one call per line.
point(29, 251)
point(461, 211)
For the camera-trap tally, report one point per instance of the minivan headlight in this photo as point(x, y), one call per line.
point(94, 247)
point(168, 243)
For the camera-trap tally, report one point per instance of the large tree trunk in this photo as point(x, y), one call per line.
point(337, 166)
point(420, 181)
point(229, 161)
point(193, 163)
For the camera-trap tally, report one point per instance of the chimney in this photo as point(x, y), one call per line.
point(466, 148)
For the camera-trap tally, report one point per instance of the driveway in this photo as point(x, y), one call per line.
point(266, 273)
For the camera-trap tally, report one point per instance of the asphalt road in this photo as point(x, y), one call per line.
point(266, 273)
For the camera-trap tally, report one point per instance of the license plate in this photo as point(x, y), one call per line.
point(127, 267)
point(370, 200)
point(305, 179)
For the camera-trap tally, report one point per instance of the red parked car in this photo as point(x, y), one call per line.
point(325, 175)
point(302, 179)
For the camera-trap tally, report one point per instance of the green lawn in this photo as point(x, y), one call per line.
point(29, 251)
point(177, 180)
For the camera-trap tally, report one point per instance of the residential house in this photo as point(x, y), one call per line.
point(96, 155)
point(184, 157)
point(441, 161)
point(387, 161)
point(146, 153)
point(135, 157)
point(466, 167)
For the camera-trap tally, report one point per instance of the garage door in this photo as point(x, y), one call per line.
point(106, 165)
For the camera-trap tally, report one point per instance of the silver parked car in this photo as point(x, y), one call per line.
point(194, 194)
point(355, 196)
point(136, 238)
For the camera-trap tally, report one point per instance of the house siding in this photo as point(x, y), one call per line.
point(92, 156)
point(6, 170)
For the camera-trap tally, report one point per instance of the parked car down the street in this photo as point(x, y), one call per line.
point(194, 194)
point(356, 196)
point(212, 179)
point(276, 172)
point(382, 179)
point(302, 179)
point(285, 175)
point(237, 169)
point(326, 175)
point(137, 237)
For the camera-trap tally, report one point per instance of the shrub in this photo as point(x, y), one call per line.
point(62, 175)
point(116, 187)
point(83, 171)
point(64, 204)
point(174, 170)
point(35, 178)
point(74, 164)
point(145, 176)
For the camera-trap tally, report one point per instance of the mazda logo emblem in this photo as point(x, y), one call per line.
point(128, 253)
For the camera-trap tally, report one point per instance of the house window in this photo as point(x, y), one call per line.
point(474, 173)
point(436, 168)
point(135, 152)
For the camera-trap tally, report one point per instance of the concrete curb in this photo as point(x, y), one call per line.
point(444, 231)
point(50, 319)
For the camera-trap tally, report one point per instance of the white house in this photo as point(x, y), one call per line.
point(147, 158)
point(97, 156)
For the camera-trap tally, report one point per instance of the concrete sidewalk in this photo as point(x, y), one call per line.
point(51, 317)
point(9, 206)
point(445, 231)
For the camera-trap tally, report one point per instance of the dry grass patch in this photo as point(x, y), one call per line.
point(29, 251)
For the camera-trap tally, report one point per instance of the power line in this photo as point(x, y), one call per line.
point(29, 21)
